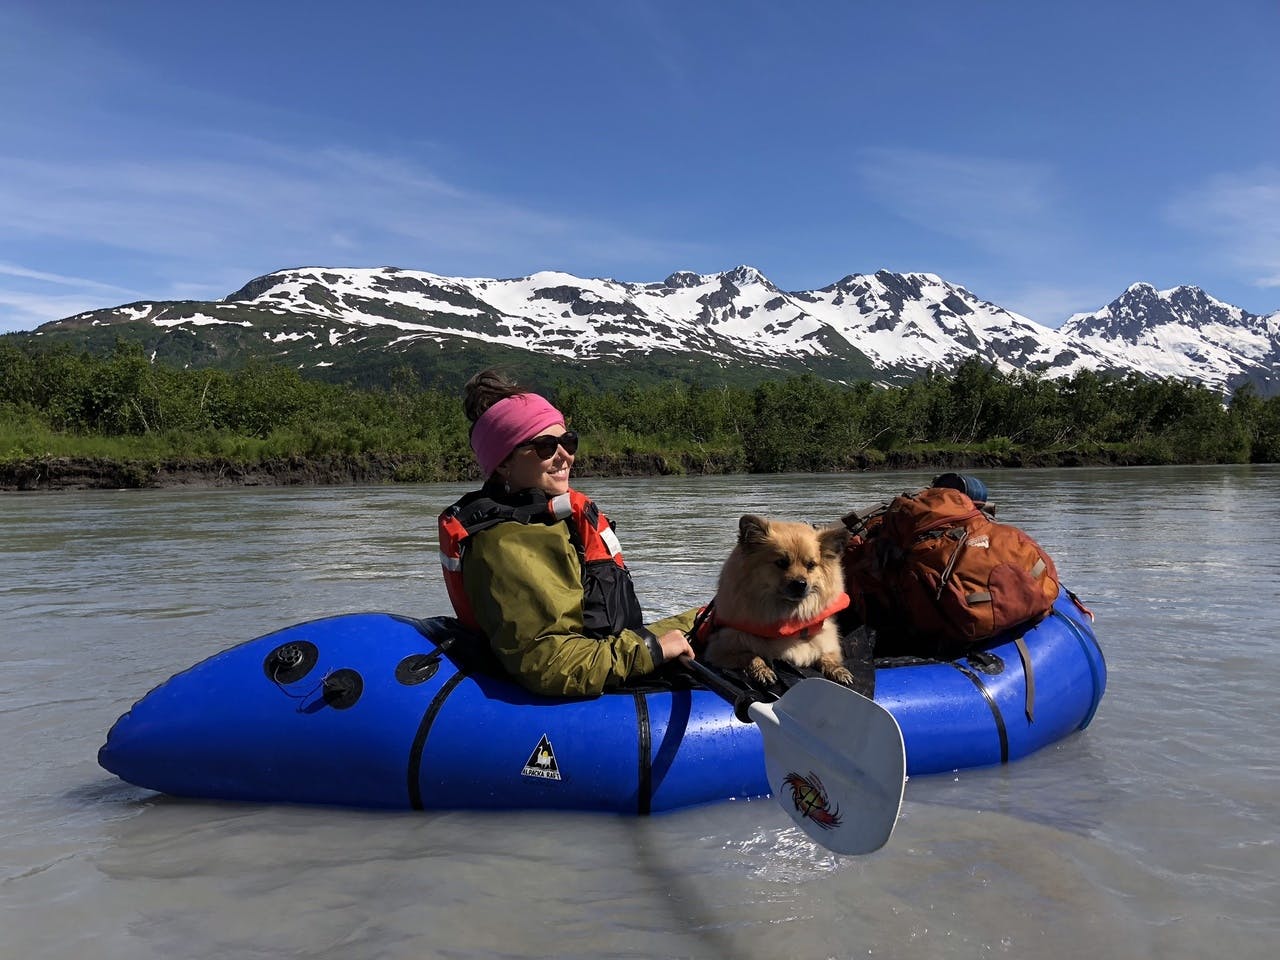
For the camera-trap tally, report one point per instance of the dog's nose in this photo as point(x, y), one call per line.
point(797, 589)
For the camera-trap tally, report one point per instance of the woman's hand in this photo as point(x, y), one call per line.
point(675, 644)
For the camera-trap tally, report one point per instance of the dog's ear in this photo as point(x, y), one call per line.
point(752, 530)
point(833, 540)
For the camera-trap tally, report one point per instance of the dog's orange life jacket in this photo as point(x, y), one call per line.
point(781, 630)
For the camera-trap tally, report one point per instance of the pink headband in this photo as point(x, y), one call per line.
point(507, 424)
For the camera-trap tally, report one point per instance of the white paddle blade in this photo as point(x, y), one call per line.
point(836, 764)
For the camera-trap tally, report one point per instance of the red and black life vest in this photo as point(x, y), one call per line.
point(609, 603)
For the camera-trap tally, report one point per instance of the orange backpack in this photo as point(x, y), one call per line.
point(933, 572)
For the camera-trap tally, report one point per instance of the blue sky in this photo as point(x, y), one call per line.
point(1044, 155)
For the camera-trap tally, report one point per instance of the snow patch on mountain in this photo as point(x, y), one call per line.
point(895, 324)
point(1182, 332)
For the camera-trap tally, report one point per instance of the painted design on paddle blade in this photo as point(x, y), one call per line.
point(810, 798)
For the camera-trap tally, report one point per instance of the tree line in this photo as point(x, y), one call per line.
point(58, 402)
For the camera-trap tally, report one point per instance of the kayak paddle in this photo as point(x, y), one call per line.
point(835, 759)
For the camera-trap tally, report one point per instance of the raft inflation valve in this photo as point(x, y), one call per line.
point(291, 661)
point(985, 662)
point(342, 688)
point(417, 667)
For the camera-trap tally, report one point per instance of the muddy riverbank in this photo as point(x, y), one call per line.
point(89, 473)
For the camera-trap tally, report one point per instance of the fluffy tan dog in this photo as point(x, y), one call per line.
point(778, 593)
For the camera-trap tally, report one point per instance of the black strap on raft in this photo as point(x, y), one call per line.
point(1025, 655)
point(996, 715)
point(979, 662)
point(414, 769)
point(464, 650)
point(644, 746)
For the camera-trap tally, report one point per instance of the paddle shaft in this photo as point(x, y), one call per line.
point(740, 696)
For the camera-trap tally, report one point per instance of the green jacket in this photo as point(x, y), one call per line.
point(525, 586)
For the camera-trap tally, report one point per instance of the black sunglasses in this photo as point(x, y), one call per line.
point(545, 445)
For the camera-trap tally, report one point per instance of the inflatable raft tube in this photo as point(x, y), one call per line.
point(379, 710)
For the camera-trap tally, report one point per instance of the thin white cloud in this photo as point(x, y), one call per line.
point(190, 222)
point(25, 273)
point(1000, 204)
point(1238, 216)
point(293, 206)
point(30, 297)
point(26, 310)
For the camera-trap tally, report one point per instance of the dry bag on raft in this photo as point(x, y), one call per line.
point(933, 572)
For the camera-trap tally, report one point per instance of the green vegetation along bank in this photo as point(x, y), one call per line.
point(70, 419)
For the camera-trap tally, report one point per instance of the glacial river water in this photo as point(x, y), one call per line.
point(1151, 834)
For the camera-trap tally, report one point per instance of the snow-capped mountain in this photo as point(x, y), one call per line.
point(889, 326)
point(1184, 333)
point(917, 321)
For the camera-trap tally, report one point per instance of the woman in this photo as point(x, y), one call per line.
point(533, 564)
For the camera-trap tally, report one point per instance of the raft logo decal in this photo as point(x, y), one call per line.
point(810, 798)
point(542, 762)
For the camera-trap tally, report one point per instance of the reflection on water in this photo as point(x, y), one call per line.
point(1152, 834)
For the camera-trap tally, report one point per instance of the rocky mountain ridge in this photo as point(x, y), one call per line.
point(885, 326)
